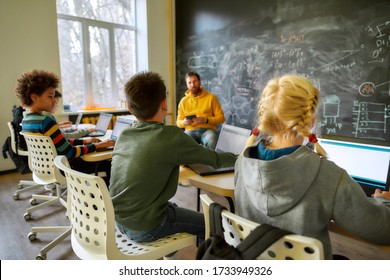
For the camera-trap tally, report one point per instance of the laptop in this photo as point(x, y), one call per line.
point(75, 126)
point(231, 139)
point(120, 124)
point(366, 161)
point(101, 125)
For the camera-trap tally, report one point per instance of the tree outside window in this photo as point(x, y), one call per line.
point(97, 51)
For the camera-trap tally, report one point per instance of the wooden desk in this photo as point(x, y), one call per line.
point(99, 155)
point(333, 227)
point(221, 184)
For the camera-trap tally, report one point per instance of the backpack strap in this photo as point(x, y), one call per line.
point(262, 237)
point(215, 211)
point(259, 240)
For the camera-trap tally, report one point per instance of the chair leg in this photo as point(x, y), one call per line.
point(43, 252)
point(58, 198)
point(25, 186)
point(66, 230)
point(27, 216)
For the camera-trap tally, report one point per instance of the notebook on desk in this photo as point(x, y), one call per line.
point(231, 139)
point(102, 125)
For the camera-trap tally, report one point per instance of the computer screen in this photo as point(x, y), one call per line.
point(103, 121)
point(368, 164)
point(232, 139)
point(120, 125)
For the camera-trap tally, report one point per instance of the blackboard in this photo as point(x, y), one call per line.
point(342, 46)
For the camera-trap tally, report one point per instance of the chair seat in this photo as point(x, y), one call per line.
point(130, 249)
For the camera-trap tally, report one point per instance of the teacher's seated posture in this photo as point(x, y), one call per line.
point(199, 112)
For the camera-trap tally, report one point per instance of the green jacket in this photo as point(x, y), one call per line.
point(145, 171)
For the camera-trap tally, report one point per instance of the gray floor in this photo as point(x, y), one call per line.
point(14, 244)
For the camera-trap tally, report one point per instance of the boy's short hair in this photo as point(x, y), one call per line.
point(144, 93)
point(35, 81)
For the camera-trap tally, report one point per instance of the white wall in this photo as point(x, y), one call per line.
point(28, 33)
point(161, 50)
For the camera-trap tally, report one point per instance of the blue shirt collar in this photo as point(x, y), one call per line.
point(269, 154)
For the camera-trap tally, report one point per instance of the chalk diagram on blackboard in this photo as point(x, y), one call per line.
point(346, 55)
point(331, 110)
point(370, 89)
point(370, 119)
point(202, 61)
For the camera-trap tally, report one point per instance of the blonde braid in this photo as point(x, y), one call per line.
point(286, 108)
point(303, 127)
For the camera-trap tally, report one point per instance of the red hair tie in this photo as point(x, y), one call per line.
point(255, 131)
point(313, 138)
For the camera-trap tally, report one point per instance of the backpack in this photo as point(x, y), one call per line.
point(216, 248)
point(17, 114)
point(21, 162)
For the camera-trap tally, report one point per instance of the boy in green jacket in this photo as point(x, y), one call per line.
point(145, 166)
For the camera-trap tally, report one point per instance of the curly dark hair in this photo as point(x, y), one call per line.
point(144, 93)
point(35, 81)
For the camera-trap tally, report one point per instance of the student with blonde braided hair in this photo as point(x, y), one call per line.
point(282, 182)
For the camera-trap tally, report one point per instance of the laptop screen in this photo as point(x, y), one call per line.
point(78, 120)
point(368, 164)
point(103, 122)
point(232, 139)
point(120, 125)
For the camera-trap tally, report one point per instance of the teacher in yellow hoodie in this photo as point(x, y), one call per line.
point(199, 112)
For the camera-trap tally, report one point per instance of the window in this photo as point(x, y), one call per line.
point(97, 40)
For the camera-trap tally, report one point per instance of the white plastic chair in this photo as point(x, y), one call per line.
point(41, 154)
point(94, 234)
point(24, 185)
point(289, 247)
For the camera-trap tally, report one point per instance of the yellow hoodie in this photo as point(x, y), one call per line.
point(204, 105)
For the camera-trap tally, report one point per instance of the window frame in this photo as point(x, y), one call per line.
point(85, 23)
